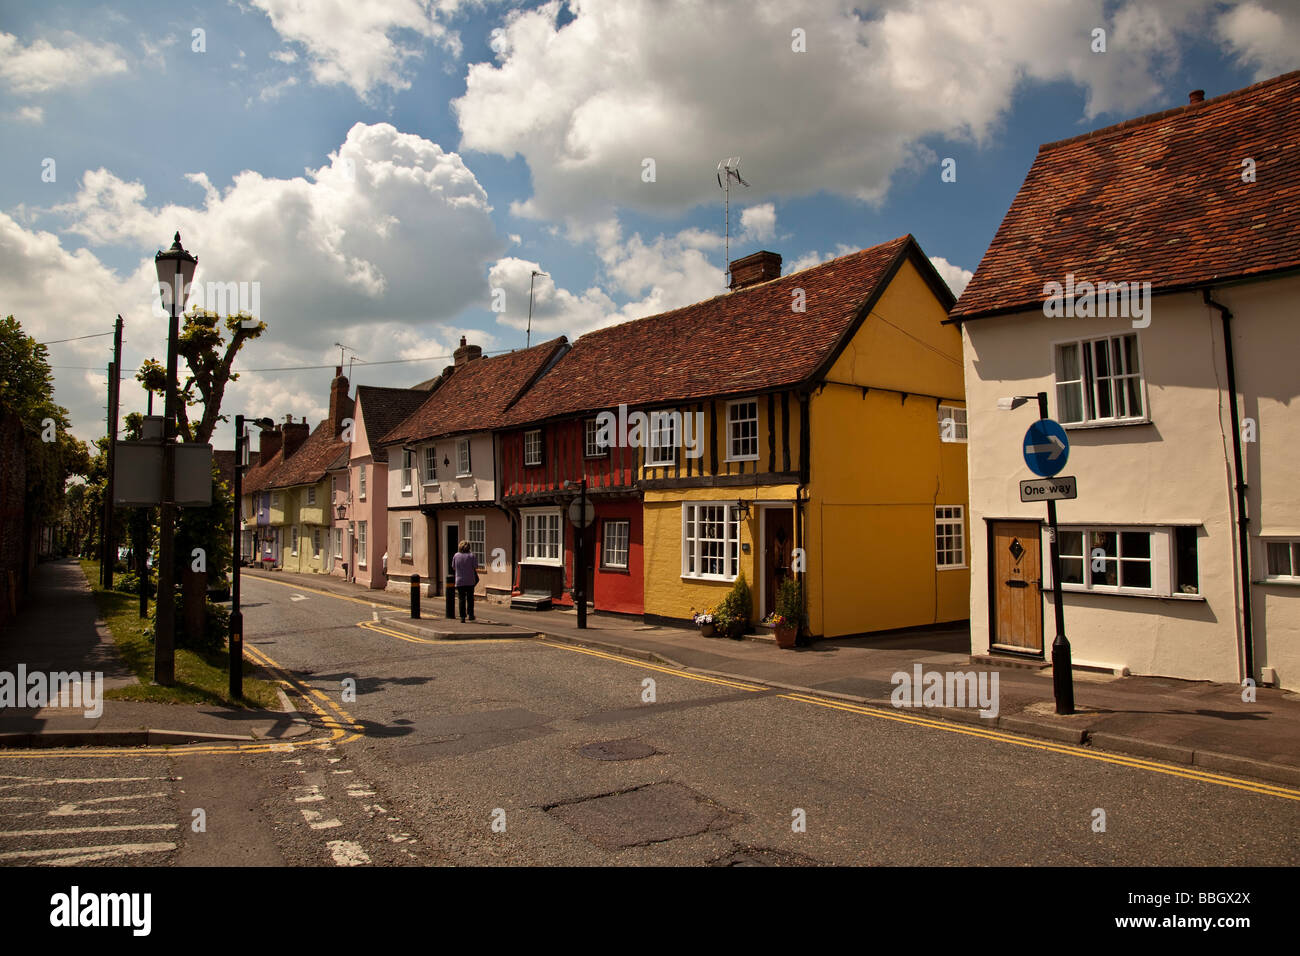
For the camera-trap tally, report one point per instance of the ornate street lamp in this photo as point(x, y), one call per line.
point(175, 269)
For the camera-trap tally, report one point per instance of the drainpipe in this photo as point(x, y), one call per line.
point(1243, 519)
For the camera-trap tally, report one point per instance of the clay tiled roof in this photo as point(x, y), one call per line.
point(1158, 199)
point(748, 340)
point(255, 479)
point(308, 464)
point(476, 396)
point(386, 408)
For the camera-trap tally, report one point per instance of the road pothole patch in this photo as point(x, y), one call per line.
point(654, 813)
point(764, 856)
point(617, 750)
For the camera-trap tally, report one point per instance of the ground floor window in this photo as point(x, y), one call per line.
point(404, 527)
point(542, 541)
point(710, 542)
point(1153, 561)
point(949, 536)
point(294, 548)
point(361, 543)
point(476, 535)
point(614, 552)
point(315, 542)
point(338, 542)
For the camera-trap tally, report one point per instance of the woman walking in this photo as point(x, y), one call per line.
point(466, 570)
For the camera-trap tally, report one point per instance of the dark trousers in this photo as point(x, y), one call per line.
point(466, 595)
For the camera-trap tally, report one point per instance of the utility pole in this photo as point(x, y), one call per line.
point(109, 557)
point(1062, 660)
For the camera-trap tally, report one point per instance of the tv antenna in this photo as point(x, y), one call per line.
point(528, 340)
point(347, 348)
point(729, 169)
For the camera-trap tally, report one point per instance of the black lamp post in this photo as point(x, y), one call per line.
point(580, 556)
point(236, 637)
point(175, 269)
point(1062, 663)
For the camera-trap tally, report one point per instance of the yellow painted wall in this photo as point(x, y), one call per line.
point(878, 468)
point(667, 593)
point(703, 464)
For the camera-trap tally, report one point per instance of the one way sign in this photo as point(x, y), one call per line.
point(1047, 448)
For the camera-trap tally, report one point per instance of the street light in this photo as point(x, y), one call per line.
point(1062, 665)
point(175, 269)
point(236, 639)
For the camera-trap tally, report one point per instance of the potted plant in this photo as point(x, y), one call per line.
point(789, 617)
point(732, 615)
point(706, 622)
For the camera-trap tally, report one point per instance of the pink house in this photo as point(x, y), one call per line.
point(363, 529)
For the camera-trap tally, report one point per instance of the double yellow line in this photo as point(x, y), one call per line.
point(996, 736)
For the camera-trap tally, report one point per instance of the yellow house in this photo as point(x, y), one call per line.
point(811, 424)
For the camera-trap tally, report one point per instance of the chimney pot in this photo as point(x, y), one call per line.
point(1196, 96)
point(466, 353)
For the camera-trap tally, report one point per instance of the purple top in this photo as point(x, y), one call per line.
point(465, 566)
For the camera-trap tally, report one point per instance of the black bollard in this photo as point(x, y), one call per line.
point(450, 588)
point(415, 596)
point(236, 655)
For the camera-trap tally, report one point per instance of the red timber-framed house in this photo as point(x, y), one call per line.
point(551, 443)
point(443, 474)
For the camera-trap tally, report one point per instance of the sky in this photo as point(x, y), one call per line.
point(388, 174)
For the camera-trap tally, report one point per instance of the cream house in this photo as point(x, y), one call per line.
point(1181, 554)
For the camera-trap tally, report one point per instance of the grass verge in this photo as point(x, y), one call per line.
point(200, 678)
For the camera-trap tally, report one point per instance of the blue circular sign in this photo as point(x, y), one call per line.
point(1046, 447)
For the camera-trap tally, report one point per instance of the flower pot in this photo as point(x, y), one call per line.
point(786, 636)
point(707, 630)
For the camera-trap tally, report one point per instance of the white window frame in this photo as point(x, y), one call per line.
point(408, 461)
point(315, 542)
point(1162, 559)
point(362, 548)
point(361, 482)
point(622, 543)
point(338, 543)
point(731, 426)
point(1089, 385)
point(430, 464)
point(1271, 541)
point(275, 499)
point(532, 543)
point(591, 448)
point(960, 428)
point(533, 448)
point(476, 535)
point(464, 459)
point(294, 547)
point(654, 450)
point(693, 545)
point(405, 532)
point(949, 537)
point(311, 494)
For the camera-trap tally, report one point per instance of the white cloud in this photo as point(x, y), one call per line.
point(365, 46)
point(585, 103)
point(758, 223)
point(954, 275)
point(379, 248)
point(30, 114)
point(284, 56)
point(1262, 38)
point(40, 66)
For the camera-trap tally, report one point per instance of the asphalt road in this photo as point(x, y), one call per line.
point(473, 753)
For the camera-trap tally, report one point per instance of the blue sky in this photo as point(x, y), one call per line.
point(380, 169)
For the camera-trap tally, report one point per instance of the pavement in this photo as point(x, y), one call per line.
point(1194, 723)
point(58, 629)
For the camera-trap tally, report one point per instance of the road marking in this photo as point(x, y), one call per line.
point(372, 626)
point(86, 854)
point(313, 818)
point(69, 809)
point(347, 853)
point(996, 736)
point(297, 597)
point(299, 587)
point(109, 829)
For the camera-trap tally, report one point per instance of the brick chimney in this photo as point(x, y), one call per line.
point(295, 433)
point(466, 353)
point(760, 267)
point(1196, 96)
point(340, 404)
point(268, 443)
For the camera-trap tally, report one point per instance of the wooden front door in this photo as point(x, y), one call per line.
point(1017, 569)
point(778, 543)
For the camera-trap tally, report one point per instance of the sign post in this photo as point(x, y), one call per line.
point(582, 513)
point(1046, 450)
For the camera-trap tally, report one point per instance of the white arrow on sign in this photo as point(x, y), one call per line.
point(1056, 447)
